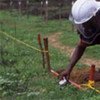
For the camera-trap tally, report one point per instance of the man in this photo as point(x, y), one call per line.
point(86, 17)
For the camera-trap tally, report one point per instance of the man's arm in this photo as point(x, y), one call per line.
point(79, 50)
point(77, 54)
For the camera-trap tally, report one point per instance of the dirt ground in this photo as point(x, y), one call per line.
point(77, 75)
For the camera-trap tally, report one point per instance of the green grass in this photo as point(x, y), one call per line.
point(21, 74)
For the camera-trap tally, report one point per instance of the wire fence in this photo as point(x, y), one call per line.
point(48, 10)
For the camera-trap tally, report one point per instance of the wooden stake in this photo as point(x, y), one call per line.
point(92, 72)
point(41, 48)
point(47, 53)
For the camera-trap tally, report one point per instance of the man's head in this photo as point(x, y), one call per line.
point(84, 10)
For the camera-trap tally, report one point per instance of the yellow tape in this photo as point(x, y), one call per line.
point(98, 91)
point(13, 38)
point(90, 85)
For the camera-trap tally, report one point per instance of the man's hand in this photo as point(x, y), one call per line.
point(65, 74)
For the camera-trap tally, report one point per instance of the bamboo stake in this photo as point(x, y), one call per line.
point(47, 53)
point(41, 48)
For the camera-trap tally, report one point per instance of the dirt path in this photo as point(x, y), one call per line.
point(54, 41)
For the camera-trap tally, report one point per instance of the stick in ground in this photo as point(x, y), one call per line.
point(41, 47)
point(47, 53)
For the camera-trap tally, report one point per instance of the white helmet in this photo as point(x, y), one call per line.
point(83, 10)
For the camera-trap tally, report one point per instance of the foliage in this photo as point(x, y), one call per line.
point(12, 83)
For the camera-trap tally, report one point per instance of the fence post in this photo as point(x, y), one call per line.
point(19, 5)
point(27, 6)
point(41, 8)
point(60, 6)
point(11, 4)
point(46, 10)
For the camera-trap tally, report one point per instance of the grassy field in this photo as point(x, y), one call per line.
point(22, 76)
